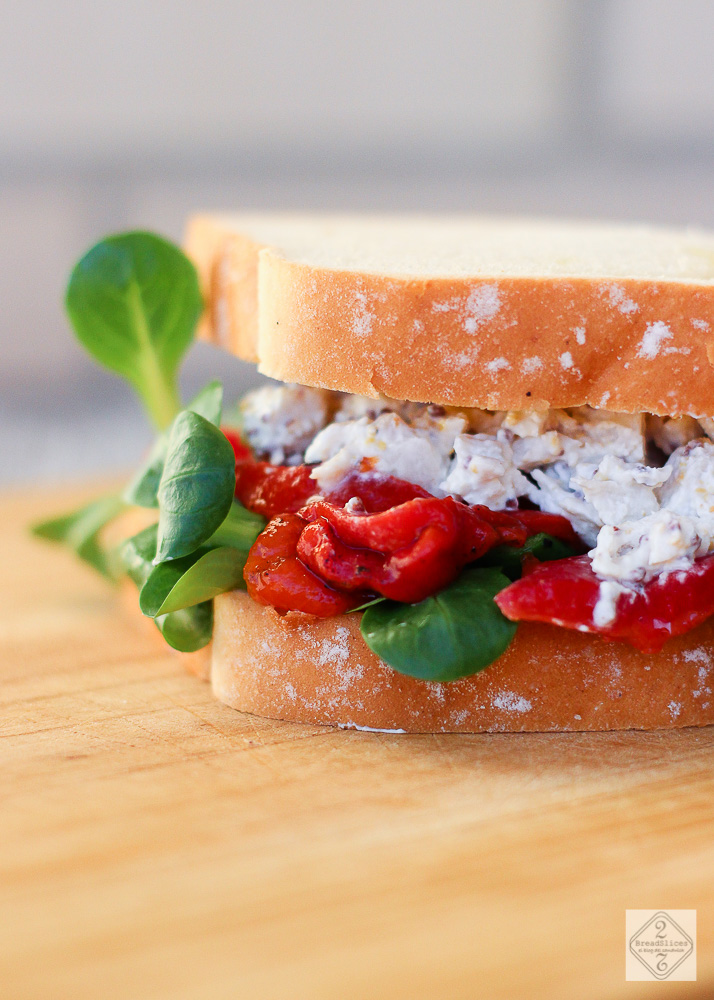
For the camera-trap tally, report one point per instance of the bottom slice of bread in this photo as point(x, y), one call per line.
point(550, 679)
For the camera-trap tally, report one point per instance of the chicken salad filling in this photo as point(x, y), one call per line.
point(637, 489)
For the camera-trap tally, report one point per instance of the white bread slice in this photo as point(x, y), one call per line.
point(493, 313)
point(320, 670)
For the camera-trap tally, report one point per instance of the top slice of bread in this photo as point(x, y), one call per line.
point(494, 313)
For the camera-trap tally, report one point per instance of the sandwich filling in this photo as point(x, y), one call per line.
point(633, 495)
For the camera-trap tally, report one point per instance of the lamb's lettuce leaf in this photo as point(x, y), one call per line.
point(144, 487)
point(196, 488)
point(81, 531)
point(452, 634)
point(134, 301)
point(509, 558)
point(186, 630)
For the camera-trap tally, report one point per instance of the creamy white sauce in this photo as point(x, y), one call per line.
point(605, 610)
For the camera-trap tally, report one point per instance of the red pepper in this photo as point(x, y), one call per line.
point(241, 449)
point(274, 575)
point(377, 492)
point(271, 490)
point(405, 553)
point(565, 592)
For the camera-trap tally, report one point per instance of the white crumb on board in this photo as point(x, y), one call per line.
point(509, 701)
point(367, 729)
point(653, 339)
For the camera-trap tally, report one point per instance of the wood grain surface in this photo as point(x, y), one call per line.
point(156, 844)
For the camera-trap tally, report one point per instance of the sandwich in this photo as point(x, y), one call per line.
point(478, 495)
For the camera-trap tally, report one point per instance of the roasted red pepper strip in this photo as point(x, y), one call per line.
point(376, 492)
point(565, 593)
point(274, 575)
point(507, 524)
point(240, 448)
point(405, 553)
point(271, 490)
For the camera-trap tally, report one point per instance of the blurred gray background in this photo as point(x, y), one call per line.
point(134, 114)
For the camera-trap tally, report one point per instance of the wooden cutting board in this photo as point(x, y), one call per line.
point(156, 844)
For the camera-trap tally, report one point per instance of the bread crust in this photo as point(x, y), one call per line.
point(494, 343)
point(303, 669)
point(227, 266)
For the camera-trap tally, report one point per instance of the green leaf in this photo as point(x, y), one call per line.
point(509, 559)
point(196, 488)
point(134, 301)
point(453, 634)
point(80, 531)
point(192, 580)
point(162, 579)
point(136, 555)
point(208, 402)
point(189, 629)
point(212, 569)
point(143, 488)
point(367, 604)
point(240, 528)
point(186, 630)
